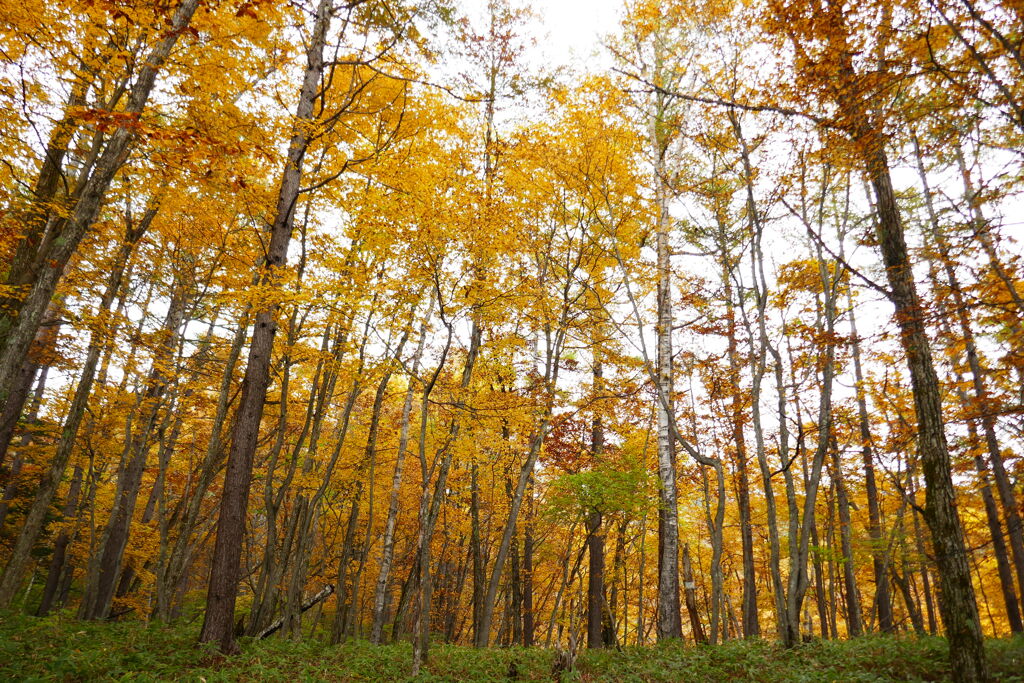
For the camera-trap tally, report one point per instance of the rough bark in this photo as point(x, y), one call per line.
point(12, 410)
point(669, 617)
point(956, 593)
point(172, 569)
point(26, 261)
point(690, 589)
point(218, 624)
point(529, 625)
point(981, 400)
point(595, 533)
point(31, 422)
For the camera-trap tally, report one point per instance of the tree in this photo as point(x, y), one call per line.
point(218, 623)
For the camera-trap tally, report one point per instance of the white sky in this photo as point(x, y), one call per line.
point(574, 28)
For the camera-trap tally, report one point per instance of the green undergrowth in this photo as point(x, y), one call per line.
point(59, 648)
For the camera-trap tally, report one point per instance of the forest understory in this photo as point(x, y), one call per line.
point(61, 648)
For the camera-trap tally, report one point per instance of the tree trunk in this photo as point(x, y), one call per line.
point(32, 421)
point(60, 547)
point(338, 629)
point(370, 458)
point(798, 578)
point(275, 560)
point(879, 560)
point(669, 617)
point(981, 406)
point(690, 586)
point(751, 623)
point(218, 624)
point(430, 505)
point(308, 604)
point(96, 602)
point(81, 218)
point(35, 519)
point(477, 548)
point(525, 474)
point(171, 572)
point(26, 260)
point(995, 529)
point(515, 590)
point(12, 410)
point(528, 617)
point(388, 550)
point(595, 534)
point(595, 580)
point(853, 622)
point(922, 555)
point(759, 347)
point(1004, 571)
point(981, 233)
point(956, 594)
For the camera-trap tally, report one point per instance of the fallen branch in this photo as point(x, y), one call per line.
point(311, 602)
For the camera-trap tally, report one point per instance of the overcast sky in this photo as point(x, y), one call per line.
point(574, 27)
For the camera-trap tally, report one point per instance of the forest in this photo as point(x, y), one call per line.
point(368, 324)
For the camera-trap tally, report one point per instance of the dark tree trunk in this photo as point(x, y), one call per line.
point(923, 556)
point(218, 624)
point(171, 574)
point(595, 580)
point(60, 548)
point(956, 593)
point(690, 589)
point(32, 420)
point(15, 405)
point(476, 544)
point(981, 408)
point(338, 629)
point(820, 597)
point(515, 593)
point(595, 535)
point(26, 260)
point(528, 619)
point(995, 529)
point(995, 526)
point(751, 624)
point(908, 600)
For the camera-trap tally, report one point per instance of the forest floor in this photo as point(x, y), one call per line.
point(60, 648)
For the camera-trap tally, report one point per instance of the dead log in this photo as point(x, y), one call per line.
point(308, 604)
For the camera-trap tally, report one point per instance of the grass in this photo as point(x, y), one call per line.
point(59, 648)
